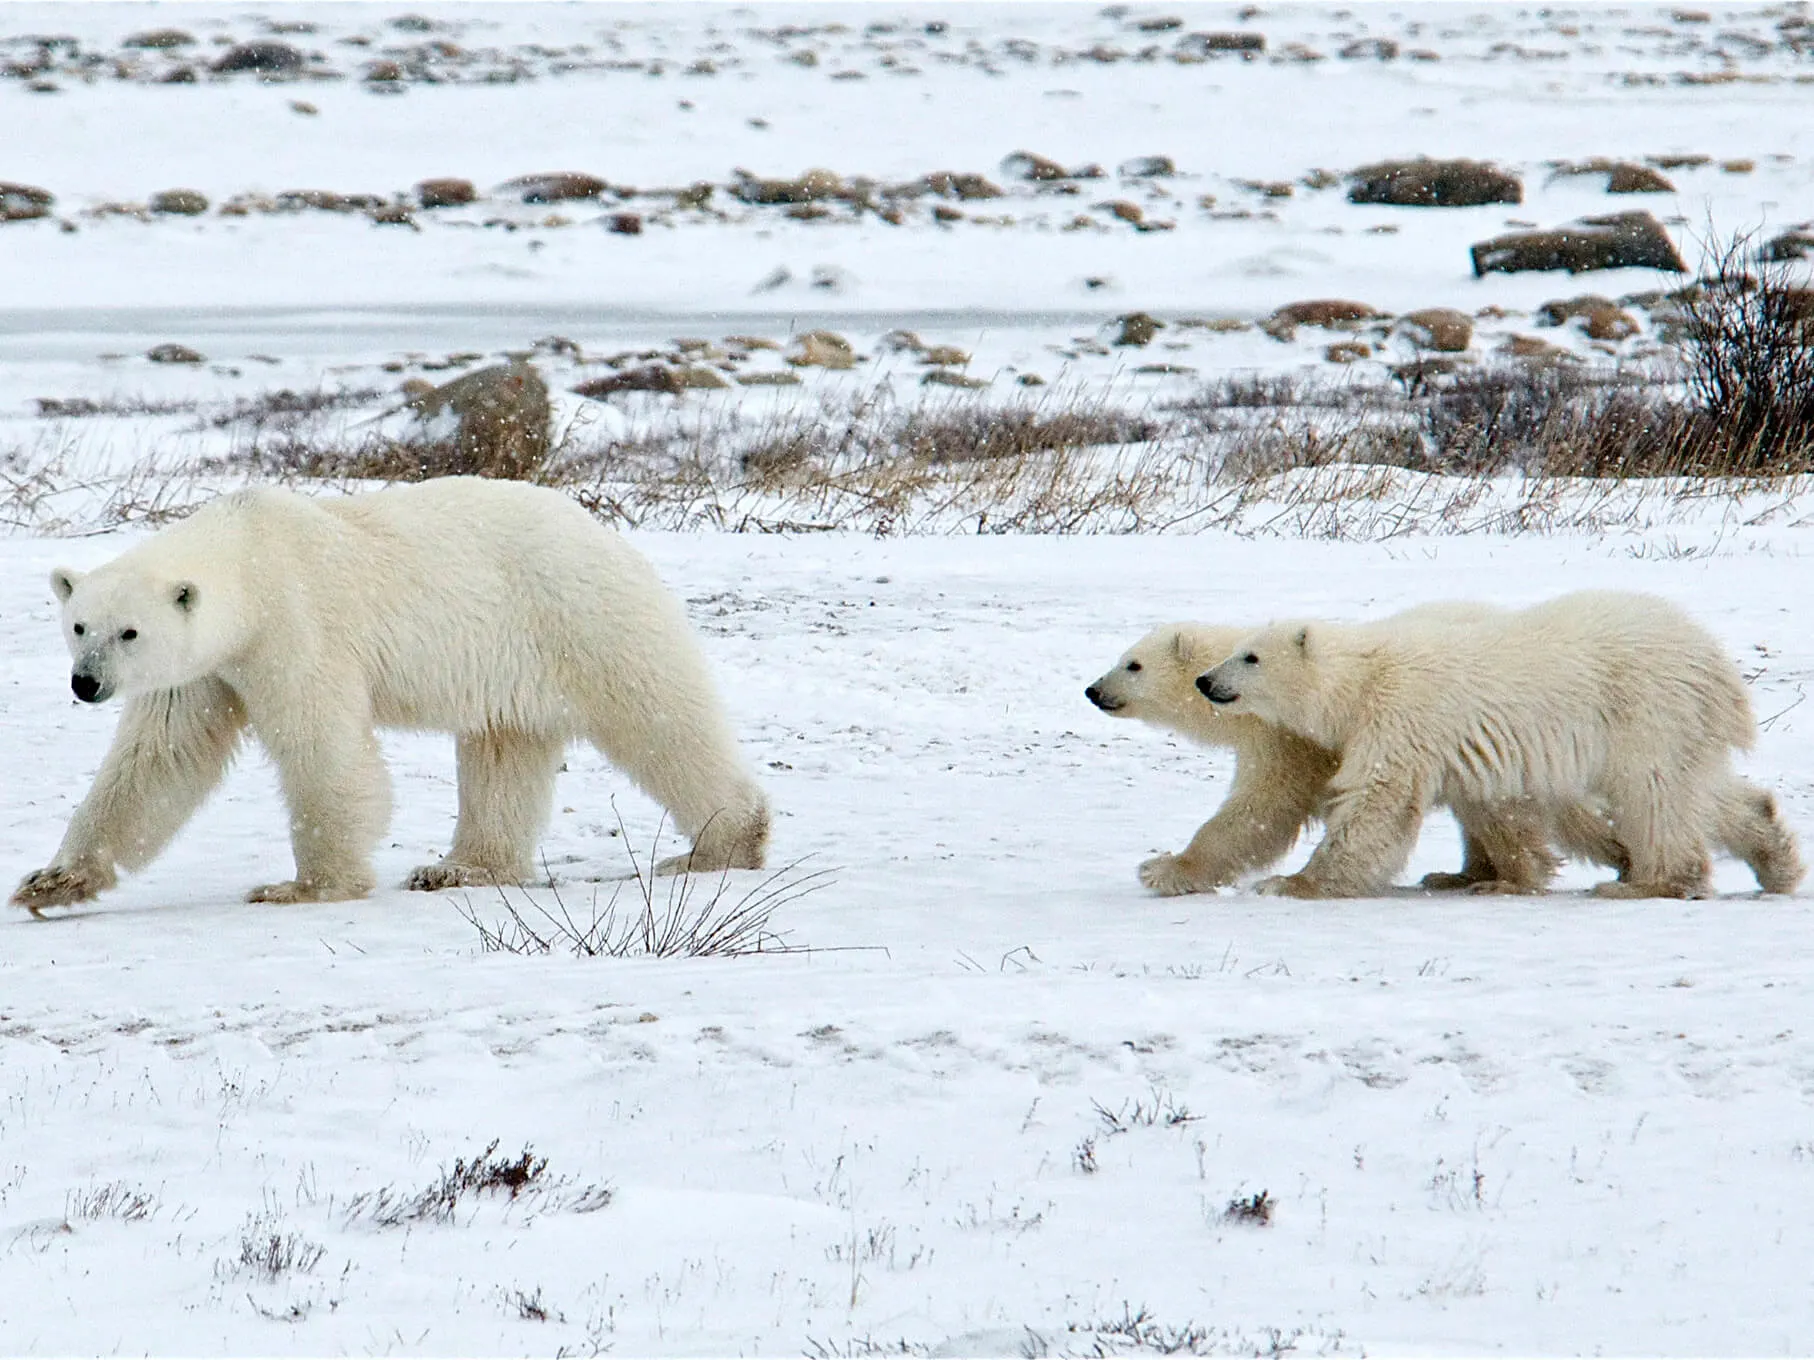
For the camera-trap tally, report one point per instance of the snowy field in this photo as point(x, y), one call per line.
point(981, 1094)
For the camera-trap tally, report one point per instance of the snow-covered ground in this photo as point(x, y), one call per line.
point(1549, 1125)
point(990, 1097)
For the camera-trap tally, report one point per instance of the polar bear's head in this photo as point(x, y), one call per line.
point(1270, 675)
point(1155, 679)
point(130, 631)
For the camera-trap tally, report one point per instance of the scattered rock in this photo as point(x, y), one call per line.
point(769, 378)
point(1370, 49)
point(180, 202)
point(1126, 211)
point(1137, 328)
point(671, 379)
point(822, 349)
point(944, 377)
point(1030, 380)
point(386, 72)
point(22, 202)
point(1028, 165)
point(394, 215)
point(751, 342)
point(944, 356)
point(1348, 351)
point(1791, 245)
point(963, 186)
point(303, 108)
point(624, 224)
point(173, 353)
point(160, 39)
point(265, 57)
point(1679, 161)
point(445, 193)
point(1147, 167)
point(1603, 319)
point(1533, 350)
point(557, 186)
point(1739, 166)
point(1324, 313)
point(1625, 178)
point(325, 200)
point(1633, 240)
point(1162, 23)
point(1249, 45)
point(1442, 329)
point(903, 342)
point(1424, 183)
point(503, 416)
point(811, 187)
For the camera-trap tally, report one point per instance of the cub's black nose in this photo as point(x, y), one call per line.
point(87, 688)
point(1094, 695)
point(1207, 684)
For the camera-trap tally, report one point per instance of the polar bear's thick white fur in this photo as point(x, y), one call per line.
point(1614, 702)
point(1282, 780)
point(499, 612)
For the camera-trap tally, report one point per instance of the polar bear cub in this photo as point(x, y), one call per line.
point(1614, 701)
point(501, 613)
point(1282, 779)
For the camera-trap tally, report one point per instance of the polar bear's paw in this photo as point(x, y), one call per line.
point(61, 885)
point(1502, 887)
point(1289, 885)
point(1448, 882)
point(1170, 876)
point(295, 891)
point(435, 877)
point(1624, 891)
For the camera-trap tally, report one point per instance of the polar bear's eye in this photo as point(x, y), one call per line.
point(129, 635)
point(79, 629)
point(1251, 659)
point(1133, 665)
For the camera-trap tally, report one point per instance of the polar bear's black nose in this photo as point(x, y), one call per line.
point(87, 688)
point(1216, 693)
point(1093, 694)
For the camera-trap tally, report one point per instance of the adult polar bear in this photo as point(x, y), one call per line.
point(499, 612)
point(1282, 780)
point(1608, 700)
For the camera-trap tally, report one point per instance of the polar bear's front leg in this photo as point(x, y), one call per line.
point(1278, 786)
point(1371, 830)
point(169, 751)
point(506, 792)
point(338, 794)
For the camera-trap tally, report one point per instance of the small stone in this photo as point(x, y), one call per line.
point(173, 353)
point(1138, 328)
point(445, 193)
point(180, 202)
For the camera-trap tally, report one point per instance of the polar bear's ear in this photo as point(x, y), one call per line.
point(63, 582)
point(1303, 639)
point(184, 596)
point(1181, 648)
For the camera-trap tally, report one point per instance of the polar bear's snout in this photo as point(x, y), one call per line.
point(90, 684)
point(1108, 703)
point(1215, 689)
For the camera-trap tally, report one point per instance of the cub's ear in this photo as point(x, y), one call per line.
point(1303, 638)
point(1181, 648)
point(184, 596)
point(63, 582)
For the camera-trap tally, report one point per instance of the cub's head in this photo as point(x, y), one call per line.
point(130, 634)
point(1269, 674)
point(1155, 679)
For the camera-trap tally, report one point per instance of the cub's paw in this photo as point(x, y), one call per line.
point(435, 877)
point(60, 885)
point(1288, 885)
point(1168, 876)
point(296, 891)
point(1502, 887)
point(1448, 883)
point(1628, 891)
